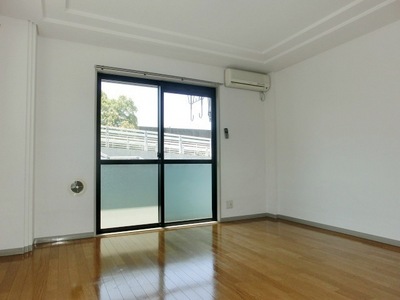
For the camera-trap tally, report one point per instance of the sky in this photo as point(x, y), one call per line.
point(176, 107)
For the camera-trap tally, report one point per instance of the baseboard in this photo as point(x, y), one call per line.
point(22, 250)
point(63, 238)
point(247, 217)
point(354, 233)
point(54, 239)
point(15, 251)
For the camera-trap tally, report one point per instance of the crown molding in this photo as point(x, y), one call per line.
point(60, 19)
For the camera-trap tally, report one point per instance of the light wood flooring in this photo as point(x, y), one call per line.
point(258, 259)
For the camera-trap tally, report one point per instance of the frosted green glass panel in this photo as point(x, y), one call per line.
point(188, 192)
point(129, 195)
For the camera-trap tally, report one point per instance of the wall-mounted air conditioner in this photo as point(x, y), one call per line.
point(247, 80)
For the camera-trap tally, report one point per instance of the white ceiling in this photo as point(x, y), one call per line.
point(260, 35)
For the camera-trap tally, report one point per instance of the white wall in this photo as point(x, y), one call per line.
point(242, 158)
point(331, 123)
point(338, 136)
point(16, 42)
point(65, 134)
point(270, 151)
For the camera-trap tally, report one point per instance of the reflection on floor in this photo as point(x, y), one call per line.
point(145, 270)
point(258, 259)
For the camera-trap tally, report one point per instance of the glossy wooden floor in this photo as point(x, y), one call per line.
point(259, 259)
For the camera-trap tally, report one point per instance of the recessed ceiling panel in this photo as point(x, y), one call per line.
point(260, 35)
point(255, 25)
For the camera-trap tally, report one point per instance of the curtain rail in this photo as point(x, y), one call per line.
point(155, 76)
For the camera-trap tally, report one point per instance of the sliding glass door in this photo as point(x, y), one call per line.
point(187, 174)
point(128, 163)
point(155, 153)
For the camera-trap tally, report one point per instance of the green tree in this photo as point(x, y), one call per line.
point(119, 112)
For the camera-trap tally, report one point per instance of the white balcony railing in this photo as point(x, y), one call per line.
point(144, 140)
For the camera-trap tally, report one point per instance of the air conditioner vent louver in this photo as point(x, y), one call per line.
point(247, 80)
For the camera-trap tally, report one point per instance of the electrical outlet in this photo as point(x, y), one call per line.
point(229, 204)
